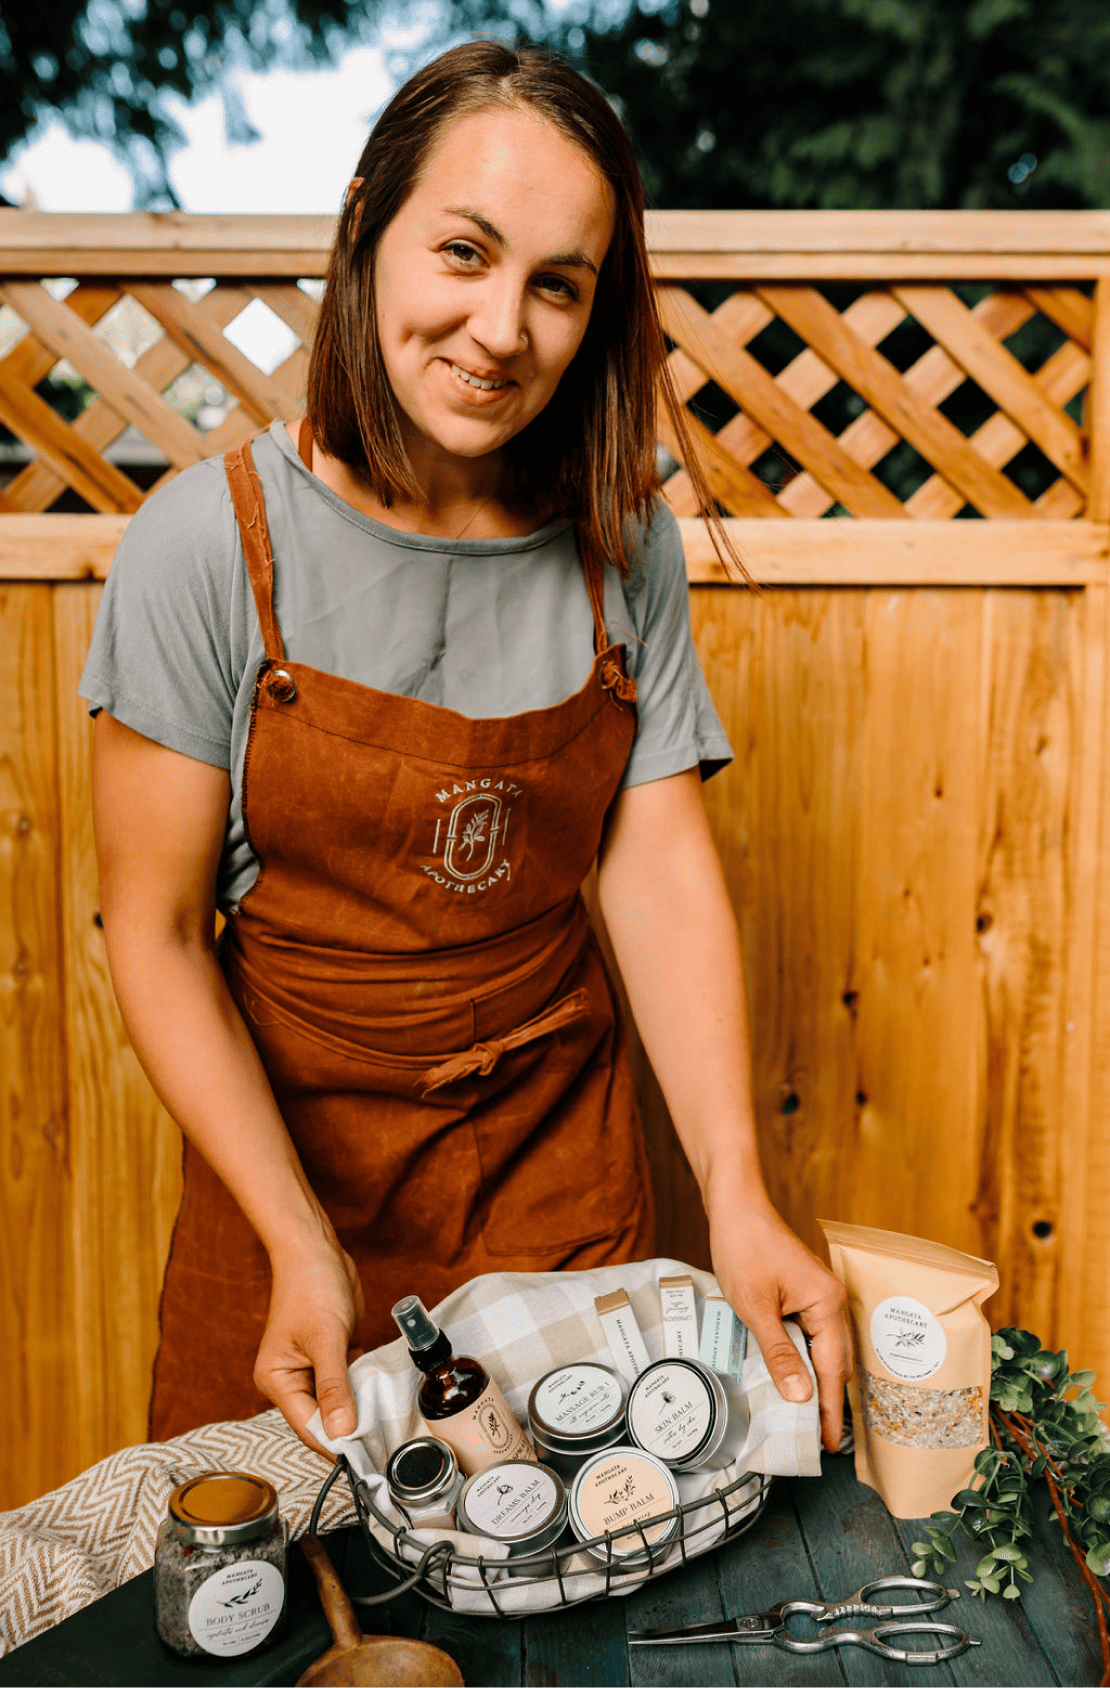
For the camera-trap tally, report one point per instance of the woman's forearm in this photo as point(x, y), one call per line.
point(675, 939)
point(197, 1052)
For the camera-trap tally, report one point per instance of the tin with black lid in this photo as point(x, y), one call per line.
point(575, 1411)
point(424, 1481)
point(219, 1566)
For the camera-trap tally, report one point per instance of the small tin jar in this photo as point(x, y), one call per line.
point(424, 1481)
point(219, 1567)
point(618, 1489)
point(678, 1411)
point(520, 1503)
point(575, 1411)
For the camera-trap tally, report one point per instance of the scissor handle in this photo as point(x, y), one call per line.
point(877, 1641)
point(863, 1605)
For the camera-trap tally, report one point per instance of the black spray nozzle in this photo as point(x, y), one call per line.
point(427, 1343)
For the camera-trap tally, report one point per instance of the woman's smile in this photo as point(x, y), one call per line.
point(480, 390)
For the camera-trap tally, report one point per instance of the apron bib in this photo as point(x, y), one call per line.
point(416, 967)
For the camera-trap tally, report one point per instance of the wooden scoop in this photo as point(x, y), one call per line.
point(367, 1661)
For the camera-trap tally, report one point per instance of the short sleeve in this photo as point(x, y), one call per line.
point(679, 727)
point(164, 657)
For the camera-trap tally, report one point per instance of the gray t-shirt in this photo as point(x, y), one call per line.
point(486, 627)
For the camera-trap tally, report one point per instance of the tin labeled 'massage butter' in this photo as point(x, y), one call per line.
point(574, 1411)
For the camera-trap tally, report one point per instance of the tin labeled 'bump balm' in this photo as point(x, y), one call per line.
point(678, 1411)
point(575, 1411)
point(616, 1491)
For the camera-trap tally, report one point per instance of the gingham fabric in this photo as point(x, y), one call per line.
point(521, 1325)
point(72, 1546)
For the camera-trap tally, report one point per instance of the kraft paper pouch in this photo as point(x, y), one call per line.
point(921, 1392)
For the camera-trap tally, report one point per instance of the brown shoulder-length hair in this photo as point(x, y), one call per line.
point(590, 453)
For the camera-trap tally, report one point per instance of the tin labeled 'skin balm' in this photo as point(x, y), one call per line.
point(678, 1411)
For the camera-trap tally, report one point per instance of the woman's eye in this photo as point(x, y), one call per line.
point(558, 284)
point(462, 250)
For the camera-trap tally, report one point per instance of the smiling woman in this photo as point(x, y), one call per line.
point(382, 686)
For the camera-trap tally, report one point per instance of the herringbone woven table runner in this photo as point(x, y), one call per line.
point(76, 1544)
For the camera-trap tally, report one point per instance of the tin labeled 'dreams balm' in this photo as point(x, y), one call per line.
point(519, 1502)
point(575, 1411)
point(678, 1411)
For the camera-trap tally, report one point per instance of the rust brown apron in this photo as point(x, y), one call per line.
point(416, 967)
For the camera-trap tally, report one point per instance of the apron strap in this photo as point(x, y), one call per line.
point(250, 513)
point(304, 443)
point(483, 1057)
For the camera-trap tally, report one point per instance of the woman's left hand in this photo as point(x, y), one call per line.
point(767, 1274)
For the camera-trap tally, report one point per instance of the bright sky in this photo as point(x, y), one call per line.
point(331, 109)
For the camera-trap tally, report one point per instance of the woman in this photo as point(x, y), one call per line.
point(382, 687)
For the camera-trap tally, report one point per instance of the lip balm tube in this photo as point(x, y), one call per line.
point(724, 1340)
point(626, 1342)
point(680, 1317)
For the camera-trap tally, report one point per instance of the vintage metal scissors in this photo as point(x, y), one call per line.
point(770, 1628)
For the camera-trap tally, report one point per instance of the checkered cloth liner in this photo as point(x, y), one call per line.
point(521, 1325)
point(74, 1545)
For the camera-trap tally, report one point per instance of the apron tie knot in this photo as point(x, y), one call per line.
point(617, 683)
point(483, 1057)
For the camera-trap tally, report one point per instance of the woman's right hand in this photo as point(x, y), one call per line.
point(315, 1303)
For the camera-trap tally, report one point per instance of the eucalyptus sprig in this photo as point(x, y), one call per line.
point(1044, 1426)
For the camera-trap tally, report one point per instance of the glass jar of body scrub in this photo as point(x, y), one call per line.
point(619, 1488)
point(678, 1411)
point(219, 1567)
point(424, 1481)
point(575, 1411)
point(520, 1503)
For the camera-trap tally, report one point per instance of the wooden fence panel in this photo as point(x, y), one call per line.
point(36, 1243)
point(126, 1151)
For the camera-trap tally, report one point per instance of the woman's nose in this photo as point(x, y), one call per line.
point(497, 323)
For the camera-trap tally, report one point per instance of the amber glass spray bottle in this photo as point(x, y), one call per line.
point(459, 1401)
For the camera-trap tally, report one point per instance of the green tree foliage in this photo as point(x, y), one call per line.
point(851, 103)
point(793, 103)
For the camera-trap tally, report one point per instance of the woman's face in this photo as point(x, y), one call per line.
point(484, 281)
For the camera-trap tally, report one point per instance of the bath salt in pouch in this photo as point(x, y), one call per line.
point(921, 1392)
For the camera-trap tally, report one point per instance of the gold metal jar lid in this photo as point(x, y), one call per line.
point(222, 1508)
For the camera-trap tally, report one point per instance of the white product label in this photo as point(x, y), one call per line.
point(908, 1340)
point(578, 1398)
point(680, 1318)
point(237, 1607)
point(670, 1412)
point(506, 1503)
point(723, 1338)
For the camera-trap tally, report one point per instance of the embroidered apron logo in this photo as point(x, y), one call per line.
point(469, 841)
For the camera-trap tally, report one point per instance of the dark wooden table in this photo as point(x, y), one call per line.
point(817, 1538)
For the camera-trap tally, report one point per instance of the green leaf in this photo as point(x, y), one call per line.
point(1011, 1593)
point(920, 1547)
point(971, 1584)
point(1098, 1559)
point(1009, 1554)
point(993, 1584)
point(1082, 1379)
point(919, 1567)
point(944, 1545)
point(985, 1565)
point(985, 1462)
point(968, 1497)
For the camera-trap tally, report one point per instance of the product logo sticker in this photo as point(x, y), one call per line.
point(470, 833)
point(236, 1609)
point(908, 1340)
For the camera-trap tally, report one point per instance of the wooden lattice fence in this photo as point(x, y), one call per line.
point(906, 420)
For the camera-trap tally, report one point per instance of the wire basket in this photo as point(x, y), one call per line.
point(439, 1571)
